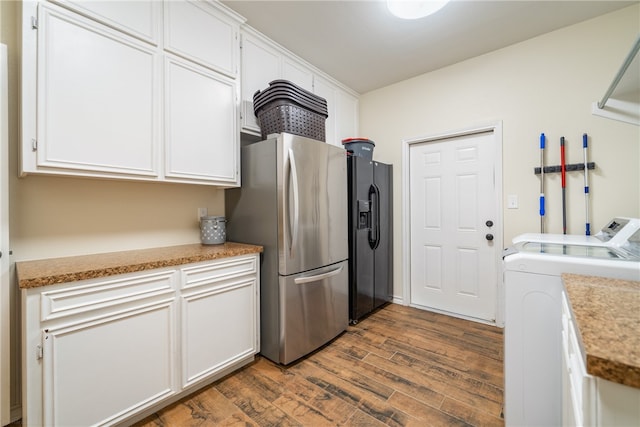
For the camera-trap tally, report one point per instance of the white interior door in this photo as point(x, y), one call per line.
point(453, 221)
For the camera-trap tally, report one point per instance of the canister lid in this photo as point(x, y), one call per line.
point(213, 218)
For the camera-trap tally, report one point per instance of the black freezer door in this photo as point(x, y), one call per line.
point(370, 238)
point(383, 252)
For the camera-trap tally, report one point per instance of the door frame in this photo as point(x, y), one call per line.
point(496, 129)
point(5, 282)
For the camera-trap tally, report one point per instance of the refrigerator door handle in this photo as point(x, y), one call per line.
point(317, 277)
point(374, 230)
point(296, 202)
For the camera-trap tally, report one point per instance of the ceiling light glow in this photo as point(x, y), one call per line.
point(414, 9)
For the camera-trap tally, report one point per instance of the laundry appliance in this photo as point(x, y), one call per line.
point(533, 307)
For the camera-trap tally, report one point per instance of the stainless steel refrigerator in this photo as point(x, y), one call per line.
point(370, 236)
point(293, 202)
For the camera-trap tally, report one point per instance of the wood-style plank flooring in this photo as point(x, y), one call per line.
point(398, 367)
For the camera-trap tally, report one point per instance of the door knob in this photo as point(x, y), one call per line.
point(489, 237)
point(489, 223)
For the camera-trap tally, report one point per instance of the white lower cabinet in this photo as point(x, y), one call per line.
point(105, 351)
point(588, 400)
point(220, 315)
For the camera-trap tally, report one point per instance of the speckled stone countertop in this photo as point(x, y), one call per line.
point(50, 271)
point(607, 313)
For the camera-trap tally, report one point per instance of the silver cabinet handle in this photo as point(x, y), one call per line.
point(296, 202)
point(317, 277)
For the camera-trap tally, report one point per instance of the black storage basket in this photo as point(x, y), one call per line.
point(285, 107)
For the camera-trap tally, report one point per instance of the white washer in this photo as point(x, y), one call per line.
point(533, 289)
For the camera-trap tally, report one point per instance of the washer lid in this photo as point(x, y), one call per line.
point(583, 251)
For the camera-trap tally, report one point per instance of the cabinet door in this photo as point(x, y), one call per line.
point(260, 65)
point(201, 130)
point(92, 370)
point(99, 350)
point(219, 317)
point(201, 33)
point(140, 18)
point(327, 91)
point(298, 73)
point(346, 116)
point(97, 109)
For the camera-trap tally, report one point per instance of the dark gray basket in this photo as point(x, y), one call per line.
point(282, 116)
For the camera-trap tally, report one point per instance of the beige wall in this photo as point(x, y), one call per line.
point(546, 84)
point(52, 217)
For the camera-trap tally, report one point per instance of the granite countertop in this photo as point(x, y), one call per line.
point(607, 313)
point(32, 274)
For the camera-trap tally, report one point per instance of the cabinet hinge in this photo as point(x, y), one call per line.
point(34, 23)
point(40, 347)
point(34, 144)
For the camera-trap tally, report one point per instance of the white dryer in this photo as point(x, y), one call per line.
point(533, 290)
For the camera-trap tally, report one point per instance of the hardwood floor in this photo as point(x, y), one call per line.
point(398, 367)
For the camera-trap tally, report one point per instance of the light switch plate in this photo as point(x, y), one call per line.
point(512, 201)
point(202, 212)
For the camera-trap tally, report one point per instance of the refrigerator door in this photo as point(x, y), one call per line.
point(361, 255)
point(312, 200)
point(314, 310)
point(383, 255)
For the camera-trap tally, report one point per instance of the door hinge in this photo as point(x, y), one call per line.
point(34, 23)
point(34, 144)
point(39, 352)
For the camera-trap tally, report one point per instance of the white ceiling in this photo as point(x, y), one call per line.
point(362, 45)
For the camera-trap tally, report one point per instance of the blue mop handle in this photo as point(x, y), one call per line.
point(542, 139)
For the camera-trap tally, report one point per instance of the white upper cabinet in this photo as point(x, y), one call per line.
point(347, 116)
point(202, 34)
point(140, 18)
point(98, 105)
point(328, 91)
point(297, 72)
point(260, 65)
point(264, 61)
point(111, 90)
point(201, 130)
point(343, 111)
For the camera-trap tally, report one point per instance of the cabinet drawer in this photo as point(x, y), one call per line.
point(97, 295)
point(204, 274)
